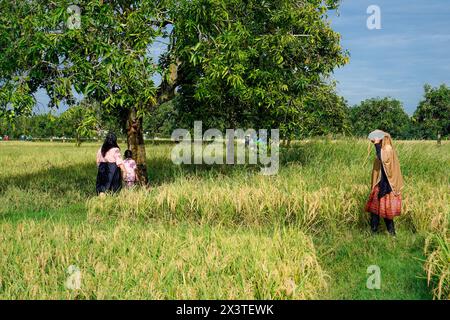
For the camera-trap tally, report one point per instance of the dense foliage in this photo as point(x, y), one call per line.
point(385, 114)
point(79, 122)
point(431, 119)
point(258, 64)
point(433, 114)
point(230, 63)
point(233, 62)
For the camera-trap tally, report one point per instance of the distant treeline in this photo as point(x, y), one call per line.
point(431, 120)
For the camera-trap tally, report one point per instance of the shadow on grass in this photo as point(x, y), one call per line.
point(65, 188)
point(59, 181)
point(162, 170)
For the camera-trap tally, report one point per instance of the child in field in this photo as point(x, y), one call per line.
point(130, 175)
point(385, 200)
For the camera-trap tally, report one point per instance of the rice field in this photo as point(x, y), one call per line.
point(220, 232)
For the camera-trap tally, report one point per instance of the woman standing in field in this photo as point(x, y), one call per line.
point(110, 164)
point(385, 200)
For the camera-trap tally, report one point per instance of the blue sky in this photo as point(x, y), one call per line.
point(411, 48)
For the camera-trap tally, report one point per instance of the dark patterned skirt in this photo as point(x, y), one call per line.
point(108, 178)
point(388, 206)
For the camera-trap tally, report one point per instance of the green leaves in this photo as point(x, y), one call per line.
point(240, 63)
point(433, 113)
point(246, 61)
point(385, 114)
point(105, 59)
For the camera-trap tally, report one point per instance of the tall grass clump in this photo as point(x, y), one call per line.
point(138, 261)
point(207, 203)
point(320, 185)
point(437, 265)
point(261, 204)
point(426, 170)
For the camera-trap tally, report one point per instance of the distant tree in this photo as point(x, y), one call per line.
point(78, 122)
point(411, 131)
point(37, 125)
point(82, 120)
point(380, 113)
point(433, 113)
point(108, 123)
point(47, 124)
point(324, 114)
point(5, 127)
point(162, 121)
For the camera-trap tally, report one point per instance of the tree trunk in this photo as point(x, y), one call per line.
point(78, 140)
point(135, 141)
point(288, 144)
point(439, 139)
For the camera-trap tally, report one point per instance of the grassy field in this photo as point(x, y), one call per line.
point(221, 231)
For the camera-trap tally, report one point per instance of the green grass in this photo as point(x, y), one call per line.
point(438, 264)
point(217, 231)
point(348, 256)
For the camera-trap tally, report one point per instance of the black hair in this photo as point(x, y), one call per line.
point(110, 142)
point(128, 154)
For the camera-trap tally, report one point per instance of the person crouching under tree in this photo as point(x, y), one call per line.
point(385, 200)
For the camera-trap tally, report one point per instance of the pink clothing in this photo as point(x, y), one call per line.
point(112, 156)
point(130, 167)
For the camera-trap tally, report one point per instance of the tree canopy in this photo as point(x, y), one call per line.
point(254, 63)
point(380, 113)
point(433, 113)
point(232, 62)
point(98, 49)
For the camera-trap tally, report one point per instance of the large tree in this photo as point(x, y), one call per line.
point(380, 113)
point(84, 121)
point(254, 63)
point(234, 62)
point(433, 113)
point(98, 49)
